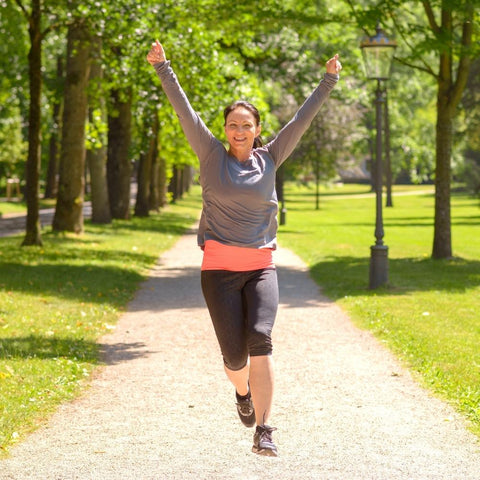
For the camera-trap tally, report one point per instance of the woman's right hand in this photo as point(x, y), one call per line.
point(156, 53)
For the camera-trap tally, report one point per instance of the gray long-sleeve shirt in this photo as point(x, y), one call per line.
point(240, 204)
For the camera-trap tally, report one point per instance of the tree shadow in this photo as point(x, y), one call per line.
point(168, 289)
point(43, 347)
point(112, 354)
point(83, 282)
point(349, 275)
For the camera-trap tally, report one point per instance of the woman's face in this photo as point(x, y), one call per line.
point(241, 130)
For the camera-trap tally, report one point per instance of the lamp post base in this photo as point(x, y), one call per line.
point(378, 266)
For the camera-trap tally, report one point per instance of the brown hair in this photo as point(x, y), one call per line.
point(252, 109)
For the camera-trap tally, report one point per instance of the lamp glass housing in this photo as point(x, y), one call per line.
point(377, 54)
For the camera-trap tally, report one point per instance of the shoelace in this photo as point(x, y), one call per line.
point(266, 433)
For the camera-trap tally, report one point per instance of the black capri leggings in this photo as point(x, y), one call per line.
point(243, 306)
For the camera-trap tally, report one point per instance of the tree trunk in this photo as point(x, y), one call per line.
point(187, 178)
point(449, 94)
point(173, 186)
point(97, 155)
point(154, 193)
point(33, 231)
point(69, 208)
point(51, 186)
point(162, 182)
point(442, 240)
point(119, 168)
point(177, 183)
point(142, 205)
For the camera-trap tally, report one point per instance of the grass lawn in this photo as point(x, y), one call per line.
point(57, 300)
point(428, 314)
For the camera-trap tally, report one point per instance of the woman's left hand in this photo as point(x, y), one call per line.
point(334, 65)
point(156, 53)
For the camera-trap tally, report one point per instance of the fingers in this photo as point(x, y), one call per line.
point(334, 65)
point(156, 53)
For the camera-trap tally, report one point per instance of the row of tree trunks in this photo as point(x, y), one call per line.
point(152, 188)
point(180, 182)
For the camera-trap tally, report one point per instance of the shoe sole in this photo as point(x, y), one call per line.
point(248, 421)
point(266, 452)
point(248, 425)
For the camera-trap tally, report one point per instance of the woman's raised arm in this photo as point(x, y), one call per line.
point(198, 135)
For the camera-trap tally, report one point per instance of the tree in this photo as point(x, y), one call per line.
point(51, 188)
point(142, 205)
point(119, 166)
point(443, 34)
point(69, 208)
point(96, 138)
point(446, 29)
point(34, 17)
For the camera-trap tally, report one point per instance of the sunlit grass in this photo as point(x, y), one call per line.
point(57, 300)
point(428, 314)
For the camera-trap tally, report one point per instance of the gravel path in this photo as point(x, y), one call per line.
point(161, 407)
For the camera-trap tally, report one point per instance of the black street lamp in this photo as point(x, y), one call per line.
point(377, 54)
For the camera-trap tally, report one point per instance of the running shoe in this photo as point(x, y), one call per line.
point(245, 409)
point(263, 443)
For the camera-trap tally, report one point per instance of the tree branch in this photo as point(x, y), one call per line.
point(425, 69)
point(23, 9)
point(431, 16)
point(465, 61)
point(401, 30)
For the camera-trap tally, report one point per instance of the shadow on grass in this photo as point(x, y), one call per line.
point(42, 347)
point(39, 346)
point(78, 282)
point(166, 222)
point(342, 276)
point(77, 267)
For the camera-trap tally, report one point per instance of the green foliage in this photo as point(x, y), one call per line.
point(412, 110)
point(413, 87)
point(272, 54)
point(12, 145)
point(12, 92)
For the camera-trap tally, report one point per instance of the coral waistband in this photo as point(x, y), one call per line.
point(217, 256)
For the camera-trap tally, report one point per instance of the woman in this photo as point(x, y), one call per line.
point(237, 233)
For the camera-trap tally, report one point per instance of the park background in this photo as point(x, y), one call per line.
point(83, 118)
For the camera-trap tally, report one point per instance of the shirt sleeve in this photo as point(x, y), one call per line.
point(287, 139)
point(198, 135)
